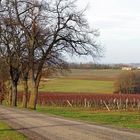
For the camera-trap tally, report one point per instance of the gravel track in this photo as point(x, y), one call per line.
point(39, 126)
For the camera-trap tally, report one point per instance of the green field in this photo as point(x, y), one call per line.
point(118, 119)
point(80, 86)
point(80, 81)
point(7, 133)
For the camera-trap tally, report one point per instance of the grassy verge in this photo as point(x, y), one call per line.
point(119, 119)
point(7, 133)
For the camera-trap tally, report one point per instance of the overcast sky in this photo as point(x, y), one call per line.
point(119, 24)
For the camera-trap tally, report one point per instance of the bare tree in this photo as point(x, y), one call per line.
point(52, 29)
point(11, 46)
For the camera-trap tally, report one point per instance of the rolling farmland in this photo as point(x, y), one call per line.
point(82, 81)
point(88, 94)
point(80, 88)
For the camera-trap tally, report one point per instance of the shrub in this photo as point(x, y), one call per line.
point(128, 82)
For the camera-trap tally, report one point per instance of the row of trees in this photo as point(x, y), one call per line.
point(96, 66)
point(91, 65)
point(35, 34)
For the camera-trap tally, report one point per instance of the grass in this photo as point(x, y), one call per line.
point(7, 133)
point(81, 81)
point(120, 119)
point(70, 85)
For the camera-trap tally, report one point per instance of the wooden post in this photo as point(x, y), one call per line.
point(126, 103)
point(118, 104)
point(69, 103)
point(106, 105)
point(85, 101)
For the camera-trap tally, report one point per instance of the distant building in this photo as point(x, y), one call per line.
point(138, 68)
point(126, 68)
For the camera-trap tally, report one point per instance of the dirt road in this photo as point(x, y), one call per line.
point(44, 127)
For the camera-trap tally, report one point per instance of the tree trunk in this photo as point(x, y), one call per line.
point(33, 95)
point(14, 94)
point(25, 94)
point(10, 95)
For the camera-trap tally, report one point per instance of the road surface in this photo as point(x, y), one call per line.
point(46, 127)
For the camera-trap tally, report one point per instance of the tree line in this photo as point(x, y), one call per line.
point(95, 66)
point(35, 36)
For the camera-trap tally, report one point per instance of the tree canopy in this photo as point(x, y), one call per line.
point(36, 34)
